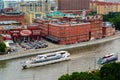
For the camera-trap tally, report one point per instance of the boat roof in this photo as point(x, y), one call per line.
point(61, 51)
point(58, 52)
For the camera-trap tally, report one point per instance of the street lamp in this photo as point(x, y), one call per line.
point(33, 76)
point(95, 62)
point(68, 67)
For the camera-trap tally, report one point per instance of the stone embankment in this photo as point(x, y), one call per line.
point(54, 47)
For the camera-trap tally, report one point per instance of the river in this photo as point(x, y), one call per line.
point(83, 59)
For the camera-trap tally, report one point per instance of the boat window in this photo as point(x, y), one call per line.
point(63, 53)
point(39, 56)
point(50, 55)
point(58, 55)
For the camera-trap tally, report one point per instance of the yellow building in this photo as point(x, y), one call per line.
point(104, 7)
point(29, 16)
point(93, 6)
point(34, 9)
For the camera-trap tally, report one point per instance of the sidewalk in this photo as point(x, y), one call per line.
point(24, 53)
point(54, 47)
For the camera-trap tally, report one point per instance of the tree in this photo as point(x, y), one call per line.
point(114, 18)
point(93, 13)
point(64, 77)
point(105, 18)
point(116, 21)
point(2, 47)
point(80, 76)
point(110, 71)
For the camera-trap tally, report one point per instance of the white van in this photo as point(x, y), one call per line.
point(10, 44)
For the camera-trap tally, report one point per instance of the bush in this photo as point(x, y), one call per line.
point(64, 77)
point(113, 17)
point(2, 48)
point(110, 71)
point(80, 76)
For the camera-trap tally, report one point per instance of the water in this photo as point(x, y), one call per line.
point(83, 59)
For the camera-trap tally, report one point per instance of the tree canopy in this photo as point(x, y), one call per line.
point(2, 47)
point(109, 71)
point(114, 18)
point(116, 21)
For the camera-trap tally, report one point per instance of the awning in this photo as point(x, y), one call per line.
point(6, 36)
point(52, 38)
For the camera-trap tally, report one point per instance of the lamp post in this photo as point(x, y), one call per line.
point(95, 62)
point(67, 67)
point(33, 76)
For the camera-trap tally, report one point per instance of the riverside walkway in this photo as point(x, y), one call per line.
point(53, 47)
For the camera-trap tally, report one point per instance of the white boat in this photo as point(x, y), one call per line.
point(108, 58)
point(45, 59)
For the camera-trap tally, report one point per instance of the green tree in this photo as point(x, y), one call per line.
point(93, 13)
point(65, 77)
point(110, 71)
point(75, 76)
point(80, 76)
point(114, 18)
point(116, 21)
point(2, 47)
point(105, 18)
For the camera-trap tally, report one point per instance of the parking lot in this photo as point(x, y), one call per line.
point(33, 45)
point(26, 47)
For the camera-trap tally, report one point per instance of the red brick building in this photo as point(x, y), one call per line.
point(73, 4)
point(96, 26)
point(108, 29)
point(32, 33)
point(71, 31)
point(24, 35)
point(10, 16)
point(13, 24)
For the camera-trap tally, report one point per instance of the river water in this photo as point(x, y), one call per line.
point(83, 59)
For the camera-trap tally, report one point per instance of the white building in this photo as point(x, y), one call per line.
point(11, 4)
point(1, 4)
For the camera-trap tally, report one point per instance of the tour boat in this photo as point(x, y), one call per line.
point(45, 59)
point(108, 58)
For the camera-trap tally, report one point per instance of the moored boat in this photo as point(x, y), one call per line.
point(108, 58)
point(45, 59)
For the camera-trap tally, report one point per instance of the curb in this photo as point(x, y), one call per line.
point(64, 47)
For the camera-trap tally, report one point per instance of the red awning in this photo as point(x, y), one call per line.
point(6, 36)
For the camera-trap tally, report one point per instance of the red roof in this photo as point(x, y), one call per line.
point(7, 9)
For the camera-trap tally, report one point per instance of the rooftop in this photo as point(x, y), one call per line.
point(69, 23)
point(12, 13)
point(8, 22)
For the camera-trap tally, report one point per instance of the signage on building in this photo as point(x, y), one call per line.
point(15, 32)
point(25, 32)
point(36, 32)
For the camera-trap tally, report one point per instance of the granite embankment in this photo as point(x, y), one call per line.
point(54, 47)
